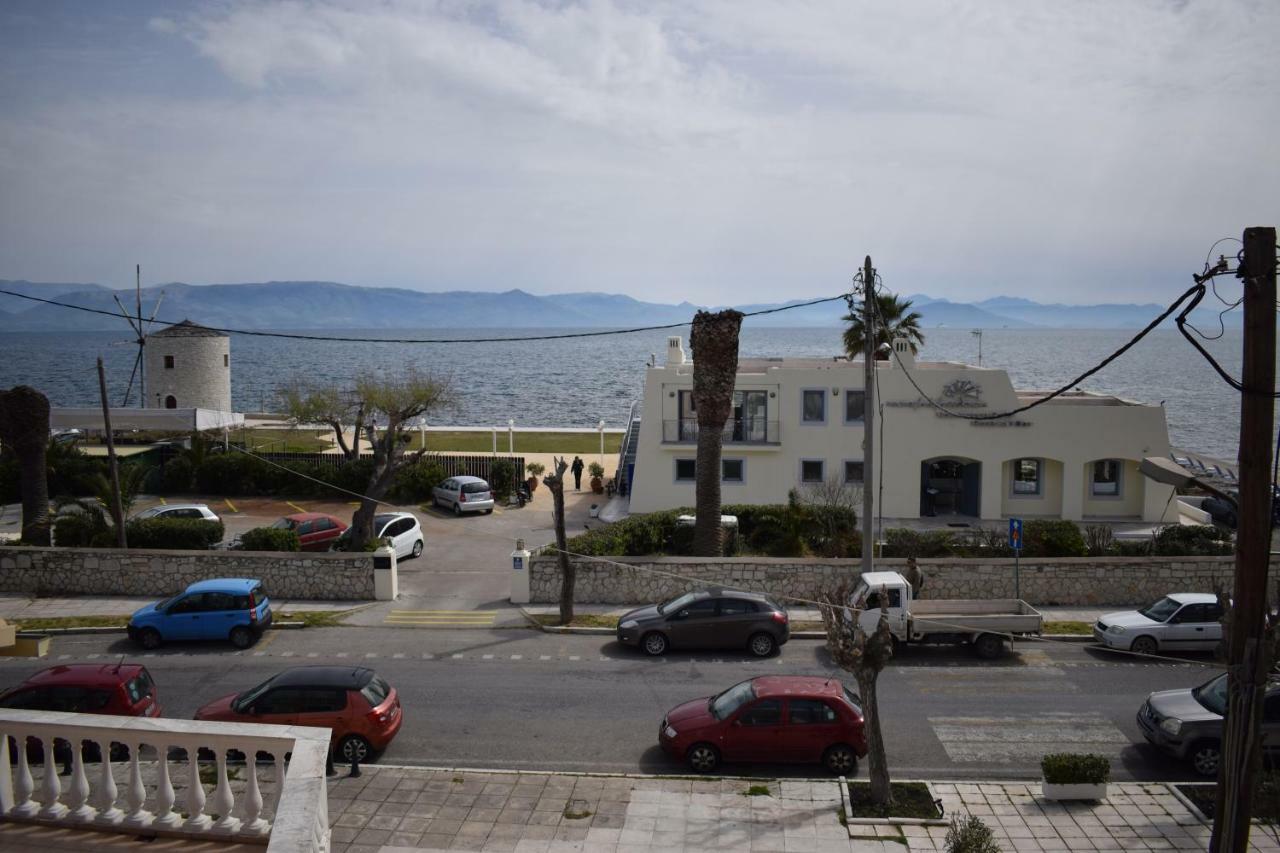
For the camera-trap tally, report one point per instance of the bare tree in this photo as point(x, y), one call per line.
point(832, 507)
point(864, 655)
point(714, 341)
point(307, 402)
point(24, 430)
point(568, 574)
point(400, 401)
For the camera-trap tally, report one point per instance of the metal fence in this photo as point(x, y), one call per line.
point(473, 465)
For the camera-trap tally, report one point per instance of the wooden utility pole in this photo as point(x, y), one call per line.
point(1246, 661)
point(117, 513)
point(868, 408)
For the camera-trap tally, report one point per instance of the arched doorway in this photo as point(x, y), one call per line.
point(951, 485)
point(171, 402)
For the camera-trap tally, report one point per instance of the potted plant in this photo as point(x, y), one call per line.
point(597, 477)
point(1075, 776)
point(535, 470)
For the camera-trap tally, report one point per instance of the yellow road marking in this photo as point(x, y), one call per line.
point(230, 505)
point(433, 612)
point(353, 503)
point(163, 502)
point(295, 506)
point(442, 618)
point(268, 637)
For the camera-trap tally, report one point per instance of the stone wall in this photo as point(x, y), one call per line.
point(92, 571)
point(1087, 582)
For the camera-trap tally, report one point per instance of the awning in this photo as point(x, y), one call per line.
point(171, 420)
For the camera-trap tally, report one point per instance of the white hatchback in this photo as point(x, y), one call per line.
point(402, 529)
point(463, 494)
point(1181, 621)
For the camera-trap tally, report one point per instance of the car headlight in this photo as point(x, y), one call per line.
point(669, 732)
point(629, 625)
point(1171, 726)
point(1116, 629)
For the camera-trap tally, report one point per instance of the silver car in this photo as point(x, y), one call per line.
point(1187, 724)
point(463, 494)
point(200, 511)
point(1181, 621)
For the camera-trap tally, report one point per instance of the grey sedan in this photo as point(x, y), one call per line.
point(708, 619)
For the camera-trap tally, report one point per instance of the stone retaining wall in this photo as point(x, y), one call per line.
point(1086, 582)
point(93, 571)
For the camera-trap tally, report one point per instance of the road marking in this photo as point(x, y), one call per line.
point(457, 657)
point(544, 657)
point(286, 654)
point(574, 657)
point(259, 654)
point(313, 654)
point(428, 656)
point(93, 657)
point(487, 657)
point(517, 657)
point(370, 654)
point(164, 502)
point(342, 654)
point(230, 505)
point(398, 655)
point(441, 618)
point(1012, 738)
point(63, 657)
point(295, 506)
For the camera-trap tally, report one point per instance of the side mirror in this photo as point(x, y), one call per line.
point(683, 614)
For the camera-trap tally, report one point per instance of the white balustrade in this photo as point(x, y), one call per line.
point(143, 801)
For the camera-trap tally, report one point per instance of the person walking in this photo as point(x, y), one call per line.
point(576, 468)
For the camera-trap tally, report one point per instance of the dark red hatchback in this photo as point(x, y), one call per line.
point(122, 689)
point(771, 719)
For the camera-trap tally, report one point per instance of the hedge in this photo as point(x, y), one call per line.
point(1075, 768)
point(178, 534)
point(270, 539)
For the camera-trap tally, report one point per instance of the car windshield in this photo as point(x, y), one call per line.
point(853, 699)
point(164, 605)
point(677, 603)
point(283, 524)
point(1213, 695)
point(732, 699)
point(245, 699)
point(376, 691)
point(1161, 610)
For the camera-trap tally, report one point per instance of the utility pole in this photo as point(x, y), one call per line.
point(142, 340)
point(868, 409)
point(1246, 660)
point(116, 512)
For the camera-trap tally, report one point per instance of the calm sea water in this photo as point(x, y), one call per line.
point(577, 382)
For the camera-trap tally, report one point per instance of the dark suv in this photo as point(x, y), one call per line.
point(712, 618)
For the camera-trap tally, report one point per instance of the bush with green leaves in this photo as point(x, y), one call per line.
point(921, 544)
point(414, 483)
point(968, 834)
point(502, 475)
point(1047, 537)
point(1131, 548)
point(175, 534)
point(1075, 768)
point(270, 539)
point(1175, 540)
point(82, 530)
point(595, 469)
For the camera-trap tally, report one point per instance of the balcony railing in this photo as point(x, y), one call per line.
point(146, 776)
point(736, 431)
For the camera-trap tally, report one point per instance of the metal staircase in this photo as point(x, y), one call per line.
point(627, 454)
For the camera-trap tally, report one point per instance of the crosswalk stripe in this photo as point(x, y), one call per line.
point(444, 612)
point(1020, 738)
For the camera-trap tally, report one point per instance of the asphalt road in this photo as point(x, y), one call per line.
point(518, 698)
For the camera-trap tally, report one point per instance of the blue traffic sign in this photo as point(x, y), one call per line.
point(1015, 534)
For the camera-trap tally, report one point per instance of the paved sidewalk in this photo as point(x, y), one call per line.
point(398, 809)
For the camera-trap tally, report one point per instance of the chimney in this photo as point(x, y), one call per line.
point(902, 353)
point(675, 350)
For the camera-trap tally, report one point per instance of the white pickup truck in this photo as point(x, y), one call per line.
point(983, 623)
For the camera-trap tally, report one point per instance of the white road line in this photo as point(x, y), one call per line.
point(398, 655)
point(259, 654)
point(313, 654)
point(93, 657)
point(370, 654)
point(574, 657)
point(487, 657)
point(540, 657)
point(1011, 738)
point(286, 654)
point(428, 656)
point(63, 657)
point(342, 654)
point(457, 657)
point(517, 657)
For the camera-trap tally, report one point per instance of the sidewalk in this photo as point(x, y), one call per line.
point(15, 607)
point(397, 809)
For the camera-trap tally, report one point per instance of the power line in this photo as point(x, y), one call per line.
point(522, 339)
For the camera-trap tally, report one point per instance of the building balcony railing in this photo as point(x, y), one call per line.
point(736, 431)
point(145, 776)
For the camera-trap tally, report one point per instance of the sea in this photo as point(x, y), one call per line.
point(580, 381)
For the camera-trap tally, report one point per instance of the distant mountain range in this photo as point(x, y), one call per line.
point(330, 305)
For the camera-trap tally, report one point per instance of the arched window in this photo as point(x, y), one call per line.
point(171, 402)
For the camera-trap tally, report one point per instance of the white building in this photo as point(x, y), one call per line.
point(188, 367)
point(799, 421)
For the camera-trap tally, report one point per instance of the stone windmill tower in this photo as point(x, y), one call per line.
point(188, 366)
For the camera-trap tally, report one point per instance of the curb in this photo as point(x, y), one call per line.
point(850, 822)
point(61, 632)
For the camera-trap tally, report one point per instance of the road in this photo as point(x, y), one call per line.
point(517, 698)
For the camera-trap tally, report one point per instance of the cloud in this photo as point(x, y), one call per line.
point(165, 26)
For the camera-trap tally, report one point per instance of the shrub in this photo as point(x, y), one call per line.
point(535, 469)
point(502, 475)
point(903, 542)
point(1043, 537)
point(180, 534)
point(1131, 548)
point(982, 542)
point(968, 834)
point(1098, 540)
point(595, 469)
point(1075, 768)
point(270, 539)
point(76, 530)
point(176, 476)
point(234, 474)
point(633, 536)
point(413, 483)
point(1191, 539)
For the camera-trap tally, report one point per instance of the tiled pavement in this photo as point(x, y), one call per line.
point(396, 810)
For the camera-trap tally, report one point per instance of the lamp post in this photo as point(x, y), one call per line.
point(511, 436)
point(600, 427)
point(977, 333)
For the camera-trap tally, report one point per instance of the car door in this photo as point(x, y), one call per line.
point(1189, 629)
point(323, 708)
point(444, 493)
point(755, 734)
point(183, 618)
point(323, 531)
point(306, 535)
point(737, 621)
point(812, 726)
point(403, 537)
point(279, 706)
point(695, 626)
point(220, 615)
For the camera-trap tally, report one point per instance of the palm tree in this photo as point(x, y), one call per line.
point(714, 341)
point(24, 431)
point(892, 321)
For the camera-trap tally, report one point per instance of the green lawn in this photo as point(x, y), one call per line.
point(525, 442)
point(283, 440)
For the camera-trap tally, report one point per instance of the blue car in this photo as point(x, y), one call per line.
point(235, 609)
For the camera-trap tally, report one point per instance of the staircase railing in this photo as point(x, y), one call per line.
point(619, 475)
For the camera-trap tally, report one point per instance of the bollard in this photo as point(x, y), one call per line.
point(355, 766)
point(328, 763)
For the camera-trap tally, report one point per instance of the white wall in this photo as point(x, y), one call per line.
point(200, 376)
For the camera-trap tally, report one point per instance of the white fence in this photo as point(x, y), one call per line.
point(167, 777)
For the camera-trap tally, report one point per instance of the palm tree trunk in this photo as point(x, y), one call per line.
point(24, 429)
point(714, 341)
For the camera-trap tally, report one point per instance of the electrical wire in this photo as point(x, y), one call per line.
point(522, 339)
point(1198, 294)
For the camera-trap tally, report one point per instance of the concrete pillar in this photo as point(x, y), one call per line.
point(992, 488)
point(520, 574)
point(1073, 489)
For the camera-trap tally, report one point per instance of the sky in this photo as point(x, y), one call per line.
point(721, 151)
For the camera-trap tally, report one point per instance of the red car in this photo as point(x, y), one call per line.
point(361, 709)
point(316, 531)
point(772, 719)
point(120, 689)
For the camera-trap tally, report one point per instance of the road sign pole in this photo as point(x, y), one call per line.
point(1017, 575)
point(1015, 542)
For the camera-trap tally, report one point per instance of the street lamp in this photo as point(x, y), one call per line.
point(600, 427)
point(977, 333)
point(511, 435)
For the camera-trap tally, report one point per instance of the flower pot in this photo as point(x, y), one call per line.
point(1076, 791)
point(532, 483)
point(597, 485)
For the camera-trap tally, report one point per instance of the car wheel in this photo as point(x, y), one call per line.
point(149, 639)
point(1145, 646)
point(241, 637)
point(654, 644)
point(489, 511)
point(761, 645)
point(354, 748)
point(703, 757)
point(1205, 757)
point(457, 509)
point(840, 760)
point(417, 548)
point(989, 646)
